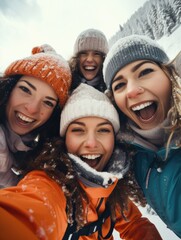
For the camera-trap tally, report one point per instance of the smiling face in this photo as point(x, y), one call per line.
point(90, 63)
point(30, 104)
point(91, 139)
point(142, 91)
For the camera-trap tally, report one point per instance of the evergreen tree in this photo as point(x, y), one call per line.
point(176, 4)
point(152, 18)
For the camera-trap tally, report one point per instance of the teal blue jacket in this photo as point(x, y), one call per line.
point(161, 183)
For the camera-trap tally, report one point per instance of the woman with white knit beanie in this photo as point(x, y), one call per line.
point(79, 195)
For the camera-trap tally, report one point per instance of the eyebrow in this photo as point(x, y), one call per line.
point(133, 69)
point(35, 89)
point(83, 124)
point(30, 85)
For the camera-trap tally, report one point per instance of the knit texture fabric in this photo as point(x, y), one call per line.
point(91, 39)
point(46, 65)
point(86, 101)
point(130, 49)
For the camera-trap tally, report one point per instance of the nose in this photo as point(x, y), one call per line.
point(89, 57)
point(134, 91)
point(91, 141)
point(33, 107)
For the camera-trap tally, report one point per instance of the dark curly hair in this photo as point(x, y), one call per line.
point(53, 159)
point(46, 131)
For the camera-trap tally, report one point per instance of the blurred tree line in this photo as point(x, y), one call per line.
point(156, 18)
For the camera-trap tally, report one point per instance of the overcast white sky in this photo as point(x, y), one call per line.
point(28, 23)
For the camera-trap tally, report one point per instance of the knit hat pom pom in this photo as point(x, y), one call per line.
point(45, 48)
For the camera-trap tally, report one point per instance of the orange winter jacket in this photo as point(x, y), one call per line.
point(36, 209)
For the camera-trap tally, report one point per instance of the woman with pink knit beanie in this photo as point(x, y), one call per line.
point(86, 64)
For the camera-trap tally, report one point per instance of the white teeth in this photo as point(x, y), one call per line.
point(91, 156)
point(24, 118)
point(89, 67)
point(141, 106)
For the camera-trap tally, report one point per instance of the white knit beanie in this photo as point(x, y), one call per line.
point(91, 39)
point(86, 101)
point(130, 49)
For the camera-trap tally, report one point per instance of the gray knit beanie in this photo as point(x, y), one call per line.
point(91, 39)
point(86, 101)
point(130, 49)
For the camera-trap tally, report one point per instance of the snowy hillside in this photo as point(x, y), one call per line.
point(172, 45)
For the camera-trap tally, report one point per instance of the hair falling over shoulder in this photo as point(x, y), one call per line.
point(54, 160)
point(56, 163)
point(6, 86)
point(174, 113)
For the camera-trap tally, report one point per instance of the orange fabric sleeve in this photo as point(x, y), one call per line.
point(12, 228)
point(38, 208)
point(136, 227)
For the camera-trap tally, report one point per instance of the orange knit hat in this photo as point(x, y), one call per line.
point(47, 65)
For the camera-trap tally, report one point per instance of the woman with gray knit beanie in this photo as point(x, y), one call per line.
point(86, 64)
point(146, 89)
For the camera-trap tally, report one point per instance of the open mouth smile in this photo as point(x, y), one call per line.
point(89, 68)
point(24, 119)
point(145, 111)
point(91, 159)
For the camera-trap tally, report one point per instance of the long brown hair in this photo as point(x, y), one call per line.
point(54, 160)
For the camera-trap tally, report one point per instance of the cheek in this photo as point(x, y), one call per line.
point(99, 63)
point(45, 114)
point(71, 144)
point(109, 145)
point(80, 62)
point(10, 105)
point(120, 102)
point(164, 92)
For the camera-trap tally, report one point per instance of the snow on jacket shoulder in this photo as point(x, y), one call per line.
point(39, 206)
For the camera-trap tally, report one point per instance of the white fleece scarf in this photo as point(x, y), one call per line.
point(16, 142)
point(94, 82)
point(117, 167)
point(153, 138)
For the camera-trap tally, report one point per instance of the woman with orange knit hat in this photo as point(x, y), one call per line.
point(32, 91)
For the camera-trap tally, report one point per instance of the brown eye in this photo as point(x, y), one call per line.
point(49, 104)
point(77, 130)
point(25, 89)
point(104, 130)
point(145, 72)
point(118, 86)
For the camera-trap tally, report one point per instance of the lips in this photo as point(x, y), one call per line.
point(89, 68)
point(145, 111)
point(23, 119)
point(91, 159)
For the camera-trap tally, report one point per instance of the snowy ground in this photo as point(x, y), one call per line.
point(172, 43)
point(165, 233)
point(172, 47)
